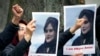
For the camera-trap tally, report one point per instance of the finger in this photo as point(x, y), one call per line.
point(15, 5)
point(32, 21)
point(14, 11)
point(80, 54)
point(34, 26)
point(20, 10)
point(83, 19)
point(15, 8)
point(33, 29)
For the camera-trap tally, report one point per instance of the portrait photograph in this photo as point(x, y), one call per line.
point(44, 40)
point(83, 39)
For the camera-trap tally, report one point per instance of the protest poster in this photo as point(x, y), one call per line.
point(84, 39)
point(44, 40)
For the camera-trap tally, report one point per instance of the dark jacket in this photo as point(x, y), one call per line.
point(7, 35)
point(18, 50)
point(47, 47)
point(63, 38)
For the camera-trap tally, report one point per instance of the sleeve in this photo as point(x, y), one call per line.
point(7, 50)
point(97, 50)
point(20, 49)
point(63, 38)
point(7, 35)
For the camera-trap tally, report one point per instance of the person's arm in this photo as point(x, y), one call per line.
point(24, 44)
point(18, 50)
point(7, 35)
point(65, 36)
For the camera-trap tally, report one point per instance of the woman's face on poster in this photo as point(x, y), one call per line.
point(86, 26)
point(49, 33)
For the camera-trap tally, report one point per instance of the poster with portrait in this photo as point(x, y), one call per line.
point(44, 40)
point(83, 40)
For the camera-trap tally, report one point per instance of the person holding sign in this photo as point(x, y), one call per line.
point(65, 36)
point(8, 33)
point(86, 30)
point(21, 42)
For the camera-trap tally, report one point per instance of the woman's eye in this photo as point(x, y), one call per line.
point(50, 30)
point(21, 29)
point(85, 22)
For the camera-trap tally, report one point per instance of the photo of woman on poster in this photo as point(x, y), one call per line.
point(45, 39)
point(84, 38)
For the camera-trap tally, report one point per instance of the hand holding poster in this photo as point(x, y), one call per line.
point(44, 41)
point(84, 39)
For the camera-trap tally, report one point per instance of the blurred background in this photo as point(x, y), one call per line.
point(30, 6)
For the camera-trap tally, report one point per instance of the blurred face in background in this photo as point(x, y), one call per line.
point(21, 31)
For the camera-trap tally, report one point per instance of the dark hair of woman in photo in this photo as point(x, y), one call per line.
point(86, 36)
point(50, 31)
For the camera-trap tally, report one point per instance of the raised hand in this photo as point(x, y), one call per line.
point(17, 14)
point(30, 28)
point(78, 24)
